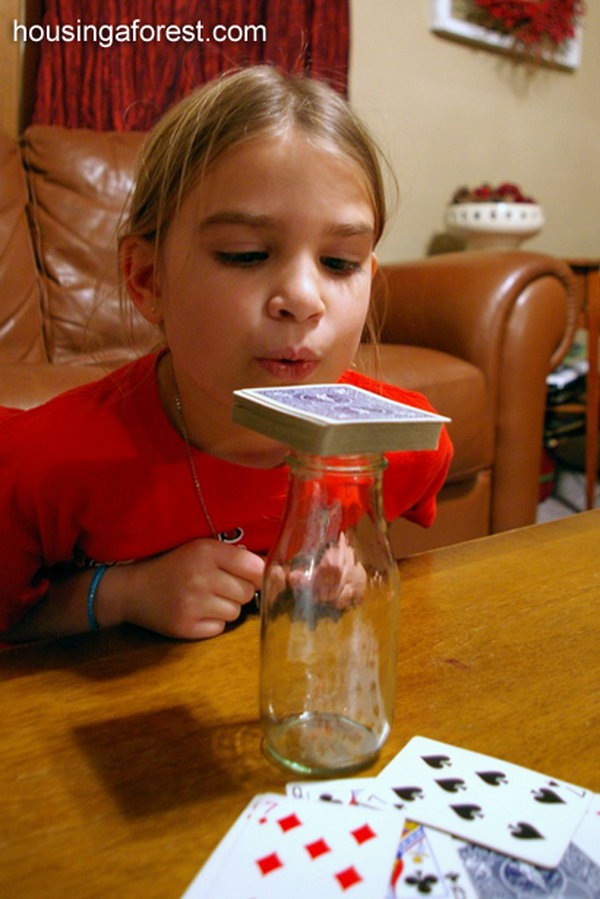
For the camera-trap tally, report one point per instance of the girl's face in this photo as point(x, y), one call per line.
point(265, 271)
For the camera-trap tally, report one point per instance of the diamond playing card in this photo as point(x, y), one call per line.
point(427, 860)
point(330, 419)
point(282, 847)
point(485, 800)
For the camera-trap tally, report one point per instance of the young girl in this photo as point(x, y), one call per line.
point(249, 243)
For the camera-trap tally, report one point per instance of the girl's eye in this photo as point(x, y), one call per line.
point(341, 266)
point(244, 259)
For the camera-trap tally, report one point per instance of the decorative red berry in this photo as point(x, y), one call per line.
point(507, 192)
point(534, 23)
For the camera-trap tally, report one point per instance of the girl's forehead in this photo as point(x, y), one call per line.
point(281, 162)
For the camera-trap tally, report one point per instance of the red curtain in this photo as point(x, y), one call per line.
point(107, 82)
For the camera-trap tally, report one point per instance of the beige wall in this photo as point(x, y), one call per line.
point(450, 114)
point(9, 67)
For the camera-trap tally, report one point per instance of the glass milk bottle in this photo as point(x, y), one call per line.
point(329, 614)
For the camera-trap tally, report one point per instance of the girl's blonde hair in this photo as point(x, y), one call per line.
point(236, 107)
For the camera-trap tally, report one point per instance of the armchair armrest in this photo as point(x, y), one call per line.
point(461, 303)
point(27, 384)
point(511, 314)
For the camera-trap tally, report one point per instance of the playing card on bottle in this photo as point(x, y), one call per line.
point(328, 419)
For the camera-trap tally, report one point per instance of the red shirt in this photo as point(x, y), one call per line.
point(99, 475)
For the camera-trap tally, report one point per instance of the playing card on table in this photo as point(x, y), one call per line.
point(328, 419)
point(427, 861)
point(576, 877)
point(587, 835)
point(494, 803)
point(202, 884)
point(296, 849)
point(432, 862)
point(364, 791)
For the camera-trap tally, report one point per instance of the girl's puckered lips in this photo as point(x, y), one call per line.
point(289, 364)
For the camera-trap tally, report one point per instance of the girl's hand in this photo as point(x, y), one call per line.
point(190, 592)
point(339, 580)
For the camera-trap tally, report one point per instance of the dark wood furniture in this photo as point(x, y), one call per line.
point(587, 279)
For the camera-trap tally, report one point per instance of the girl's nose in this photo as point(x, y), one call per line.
point(296, 294)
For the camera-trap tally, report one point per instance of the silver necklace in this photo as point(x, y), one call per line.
point(191, 463)
point(194, 474)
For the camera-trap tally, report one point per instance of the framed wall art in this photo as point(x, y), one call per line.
point(553, 37)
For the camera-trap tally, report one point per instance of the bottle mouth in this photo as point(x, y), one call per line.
point(347, 463)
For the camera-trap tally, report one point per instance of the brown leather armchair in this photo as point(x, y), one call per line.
point(475, 332)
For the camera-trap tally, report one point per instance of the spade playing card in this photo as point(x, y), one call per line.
point(494, 803)
point(431, 862)
point(578, 874)
point(290, 848)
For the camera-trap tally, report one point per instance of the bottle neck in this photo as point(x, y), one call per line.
point(308, 465)
point(331, 494)
point(332, 503)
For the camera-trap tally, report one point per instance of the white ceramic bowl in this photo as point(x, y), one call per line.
point(494, 225)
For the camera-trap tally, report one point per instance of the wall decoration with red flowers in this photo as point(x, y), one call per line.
point(547, 31)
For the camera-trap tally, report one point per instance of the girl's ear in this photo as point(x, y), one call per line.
point(374, 265)
point(137, 258)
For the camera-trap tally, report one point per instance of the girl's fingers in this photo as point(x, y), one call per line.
point(233, 588)
point(240, 563)
point(220, 608)
point(207, 627)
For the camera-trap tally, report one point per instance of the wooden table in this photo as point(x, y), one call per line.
point(125, 756)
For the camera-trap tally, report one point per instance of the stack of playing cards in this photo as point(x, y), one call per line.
point(332, 419)
point(437, 821)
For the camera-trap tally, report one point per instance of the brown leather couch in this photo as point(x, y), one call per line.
point(476, 332)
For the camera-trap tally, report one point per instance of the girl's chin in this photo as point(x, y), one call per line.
point(256, 451)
